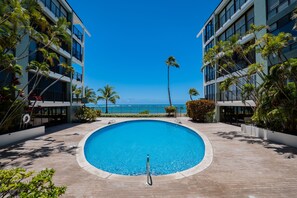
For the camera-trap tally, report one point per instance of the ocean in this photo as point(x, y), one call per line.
point(137, 108)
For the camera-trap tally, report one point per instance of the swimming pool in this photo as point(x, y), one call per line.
point(122, 148)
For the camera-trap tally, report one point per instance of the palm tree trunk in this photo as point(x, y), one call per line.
point(169, 88)
point(106, 109)
point(191, 97)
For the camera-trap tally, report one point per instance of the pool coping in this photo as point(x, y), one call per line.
point(204, 164)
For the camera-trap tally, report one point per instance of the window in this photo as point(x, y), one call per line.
point(249, 18)
point(32, 50)
point(240, 26)
point(57, 9)
point(229, 32)
point(209, 46)
point(77, 33)
point(222, 37)
point(56, 92)
point(230, 10)
point(222, 18)
point(239, 3)
point(276, 6)
point(210, 92)
point(209, 73)
point(208, 31)
point(285, 24)
point(76, 50)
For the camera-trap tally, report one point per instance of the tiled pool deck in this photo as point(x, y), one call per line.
point(242, 166)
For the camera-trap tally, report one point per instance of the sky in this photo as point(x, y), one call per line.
point(131, 40)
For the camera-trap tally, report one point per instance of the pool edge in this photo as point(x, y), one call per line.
point(204, 164)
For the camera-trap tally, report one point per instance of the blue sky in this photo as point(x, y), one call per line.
point(132, 39)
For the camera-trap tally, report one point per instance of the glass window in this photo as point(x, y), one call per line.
point(240, 26)
point(222, 18)
point(209, 31)
point(249, 18)
point(238, 4)
point(32, 50)
point(210, 92)
point(209, 46)
point(230, 32)
point(209, 73)
point(230, 10)
point(222, 37)
point(276, 6)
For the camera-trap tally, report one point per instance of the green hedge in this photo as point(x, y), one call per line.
point(170, 110)
point(200, 110)
point(133, 115)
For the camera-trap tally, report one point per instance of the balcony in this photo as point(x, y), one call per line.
point(57, 10)
point(59, 70)
point(49, 95)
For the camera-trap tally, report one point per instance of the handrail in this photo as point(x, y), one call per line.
point(149, 180)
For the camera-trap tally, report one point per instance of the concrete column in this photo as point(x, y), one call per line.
point(260, 19)
point(22, 50)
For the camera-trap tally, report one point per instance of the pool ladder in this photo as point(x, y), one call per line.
point(149, 180)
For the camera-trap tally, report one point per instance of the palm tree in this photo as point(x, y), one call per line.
point(170, 62)
point(90, 95)
point(76, 91)
point(295, 17)
point(108, 94)
point(193, 92)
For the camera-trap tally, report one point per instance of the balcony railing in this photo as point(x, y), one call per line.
point(230, 96)
point(55, 9)
point(59, 70)
point(49, 95)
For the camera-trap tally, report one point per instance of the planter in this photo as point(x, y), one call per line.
point(273, 136)
point(11, 138)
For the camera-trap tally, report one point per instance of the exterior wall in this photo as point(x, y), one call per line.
point(22, 50)
point(260, 19)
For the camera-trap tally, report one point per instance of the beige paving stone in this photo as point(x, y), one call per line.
point(242, 166)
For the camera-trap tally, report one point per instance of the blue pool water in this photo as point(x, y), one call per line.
point(122, 148)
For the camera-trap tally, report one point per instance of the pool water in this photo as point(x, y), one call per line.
point(122, 148)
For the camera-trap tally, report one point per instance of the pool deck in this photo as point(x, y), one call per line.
point(242, 166)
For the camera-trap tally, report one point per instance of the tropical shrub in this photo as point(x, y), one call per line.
point(210, 116)
point(198, 110)
point(145, 112)
point(21, 183)
point(86, 114)
point(98, 112)
point(170, 110)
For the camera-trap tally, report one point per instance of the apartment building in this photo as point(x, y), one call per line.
point(57, 104)
point(235, 17)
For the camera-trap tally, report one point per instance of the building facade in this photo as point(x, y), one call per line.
point(235, 17)
point(57, 104)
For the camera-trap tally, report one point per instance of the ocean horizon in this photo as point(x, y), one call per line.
point(138, 108)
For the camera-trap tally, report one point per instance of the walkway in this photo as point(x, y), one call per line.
point(242, 166)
